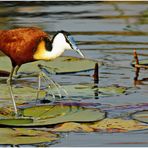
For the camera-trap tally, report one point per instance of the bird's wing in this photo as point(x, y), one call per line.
point(20, 44)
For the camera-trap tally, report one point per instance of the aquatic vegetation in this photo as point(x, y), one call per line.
point(139, 63)
point(60, 65)
point(87, 91)
point(106, 125)
point(107, 33)
point(45, 115)
point(141, 116)
point(17, 136)
point(118, 125)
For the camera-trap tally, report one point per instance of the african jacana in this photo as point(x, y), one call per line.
point(23, 45)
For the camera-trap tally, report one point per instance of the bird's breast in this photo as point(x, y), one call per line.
point(41, 51)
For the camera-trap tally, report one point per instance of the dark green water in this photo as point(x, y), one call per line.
point(105, 31)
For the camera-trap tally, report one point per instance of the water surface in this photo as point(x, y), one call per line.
point(105, 31)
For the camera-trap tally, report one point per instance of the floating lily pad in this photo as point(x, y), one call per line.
point(141, 62)
point(118, 125)
point(73, 127)
point(18, 136)
point(141, 116)
point(16, 121)
point(105, 125)
point(54, 114)
point(89, 90)
point(59, 65)
point(113, 89)
point(22, 93)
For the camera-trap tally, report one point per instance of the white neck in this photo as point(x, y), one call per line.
point(59, 45)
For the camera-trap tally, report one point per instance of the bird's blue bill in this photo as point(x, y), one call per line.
point(74, 46)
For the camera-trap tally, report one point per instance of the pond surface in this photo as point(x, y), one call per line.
point(107, 32)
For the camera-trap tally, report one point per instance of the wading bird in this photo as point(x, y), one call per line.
point(24, 45)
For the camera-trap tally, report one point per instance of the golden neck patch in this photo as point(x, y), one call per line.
point(48, 51)
point(40, 51)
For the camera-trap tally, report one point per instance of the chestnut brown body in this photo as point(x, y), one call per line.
point(20, 44)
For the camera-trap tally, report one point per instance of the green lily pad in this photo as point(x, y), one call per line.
point(89, 90)
point(54, 114)
point(22, 94)
point(17, 136)
point(15, 121)
point(141, 116)
point(114, 89)
point(59, 65)
point(141, 62)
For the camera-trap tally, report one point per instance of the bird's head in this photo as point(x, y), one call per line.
point(65, 41)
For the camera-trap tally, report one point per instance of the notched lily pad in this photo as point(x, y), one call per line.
point(54, 114)
point(65, 64)
point(141, 116)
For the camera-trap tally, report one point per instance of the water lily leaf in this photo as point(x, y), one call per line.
point(141, 62)
point(59, 65)
point(18, 136)
point(48, 111)
point(54, 114)
point(58, 114)
point(118, 125)
point(22, 94)
point(114, 89)
point(141, 116)
point(16, 121)
point(107, 125)
point(89, 90)
point(73, 127)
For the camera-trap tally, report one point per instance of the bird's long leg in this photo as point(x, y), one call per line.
point(40, 76)
point(15, 70)
point(9, 83)
point(50, 81)
point(9, 80)
point(46, 76)
point(39, 86)
point(48, 84)
point(57, 86)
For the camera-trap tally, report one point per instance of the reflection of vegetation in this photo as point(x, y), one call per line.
point(138, 65)
point(4, 18)
point(136, 80)
point(4, 22)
